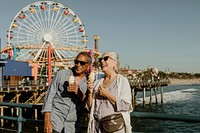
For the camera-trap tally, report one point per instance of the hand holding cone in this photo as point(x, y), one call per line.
point(91, 76)
point(71, 79)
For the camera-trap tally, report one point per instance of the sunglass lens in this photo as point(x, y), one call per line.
point(105, 58)
point(100, 59)
point(81, 62)
point(76, 61)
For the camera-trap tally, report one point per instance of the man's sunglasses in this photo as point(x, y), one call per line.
point(104, 58)
point(82, 63)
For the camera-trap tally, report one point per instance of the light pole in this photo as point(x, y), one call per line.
point(49, 64)
point(1, 70)
point(96, 38)
point(0, 48)
point(96, 63)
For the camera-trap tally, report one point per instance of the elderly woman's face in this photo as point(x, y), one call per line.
point(107, 63)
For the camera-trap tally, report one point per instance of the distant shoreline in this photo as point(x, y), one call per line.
point(184, 81)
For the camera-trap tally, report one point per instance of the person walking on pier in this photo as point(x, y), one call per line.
point(64, 102)
point(109, 101)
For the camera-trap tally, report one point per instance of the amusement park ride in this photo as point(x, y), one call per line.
point(48, 35)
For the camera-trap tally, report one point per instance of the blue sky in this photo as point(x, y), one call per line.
point(145, 33)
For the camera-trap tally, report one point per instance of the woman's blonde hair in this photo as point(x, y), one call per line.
point(115, 57)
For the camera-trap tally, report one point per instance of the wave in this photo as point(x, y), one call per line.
point(171, 97)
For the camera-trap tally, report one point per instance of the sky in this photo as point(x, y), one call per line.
point(145, 33)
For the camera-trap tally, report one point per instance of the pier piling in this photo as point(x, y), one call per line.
point(150, 86)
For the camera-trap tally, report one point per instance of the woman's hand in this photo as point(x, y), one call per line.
point(103, 91)
point(90, 85)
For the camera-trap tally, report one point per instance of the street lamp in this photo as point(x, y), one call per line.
point(0, 48)
point(96, 38)
point(96, 63)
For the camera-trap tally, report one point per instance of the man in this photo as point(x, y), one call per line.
point(63, 102)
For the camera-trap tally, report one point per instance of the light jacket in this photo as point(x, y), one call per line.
point(123, 86)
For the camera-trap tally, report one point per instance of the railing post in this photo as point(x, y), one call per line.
point(144, 95)
point(19, 120)
point(155, 92)
point(150, 101)
point(161, 92)
point(12, 114)
point(2, 110)
point(133, 94)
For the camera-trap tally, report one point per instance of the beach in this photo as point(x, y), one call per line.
point(184, 81)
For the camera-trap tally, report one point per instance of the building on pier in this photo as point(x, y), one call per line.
point(2, 63)
point(15, 72)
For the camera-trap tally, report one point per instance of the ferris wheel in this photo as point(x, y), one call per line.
point(43, 24)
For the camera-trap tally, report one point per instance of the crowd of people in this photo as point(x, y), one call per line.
point(107, 99)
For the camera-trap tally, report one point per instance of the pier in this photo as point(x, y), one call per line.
point(14, 93)
point(144, 86)
point(33, 94)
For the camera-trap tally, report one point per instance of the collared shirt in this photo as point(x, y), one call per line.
point(63, 105)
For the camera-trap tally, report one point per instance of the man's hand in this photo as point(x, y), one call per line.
point(73, 88)
point(47, 123)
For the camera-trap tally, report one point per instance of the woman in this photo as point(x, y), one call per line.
point(110, 100)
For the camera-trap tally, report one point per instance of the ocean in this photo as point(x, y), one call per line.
point(178, 100)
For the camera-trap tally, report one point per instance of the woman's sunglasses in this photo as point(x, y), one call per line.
point(82, 63)
point(104, 58)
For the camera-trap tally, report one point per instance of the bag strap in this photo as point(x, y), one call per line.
point(91, 118)
point(95, 88)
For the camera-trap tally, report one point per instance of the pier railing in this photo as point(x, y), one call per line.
point(146, 115)
point(162, 116)
point(19, 118)
point(18, 85)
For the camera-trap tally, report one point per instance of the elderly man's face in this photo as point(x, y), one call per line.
point(81, 64)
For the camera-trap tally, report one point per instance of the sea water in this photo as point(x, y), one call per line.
point(178, 100)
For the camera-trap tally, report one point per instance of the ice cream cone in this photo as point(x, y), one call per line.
point(91, 76)
point(71, 79)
